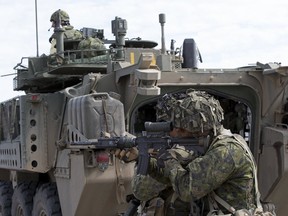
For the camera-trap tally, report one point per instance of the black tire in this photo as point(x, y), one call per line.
point(46, 201)
point(22, 199)
point(6, 192)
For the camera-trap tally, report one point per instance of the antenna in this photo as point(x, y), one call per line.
point(36, 19)
point(162, 20)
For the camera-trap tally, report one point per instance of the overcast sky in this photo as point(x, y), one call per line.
point(228, 33)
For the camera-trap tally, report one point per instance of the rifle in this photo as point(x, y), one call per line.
point(153, 138)
point(133, 205)
point(92, 32)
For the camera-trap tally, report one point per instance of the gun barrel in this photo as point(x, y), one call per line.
point(158, 126)
point(103, 143)
point(126, 142)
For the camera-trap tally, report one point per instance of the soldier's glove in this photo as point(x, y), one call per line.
point(178, 153)
point(182, 155)
point(127, 155)
point(160, 170)
point(167, 160)
point(169, 165)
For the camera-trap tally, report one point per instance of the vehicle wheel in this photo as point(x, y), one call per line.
point(22, 199)
point(46, 201)
point(6, 192)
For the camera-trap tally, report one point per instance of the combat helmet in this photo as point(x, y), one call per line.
point(195, 111)
point(63, 16)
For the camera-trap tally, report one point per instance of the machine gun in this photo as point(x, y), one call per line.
point(154, 137)
point(92, 32)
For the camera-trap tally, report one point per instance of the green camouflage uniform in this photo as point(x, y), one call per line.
point(90, 44)
point(225, 168)
point(69, 34)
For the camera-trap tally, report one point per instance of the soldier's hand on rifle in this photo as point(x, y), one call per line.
point(167, 160)
point(179, 153)
point(127, 155)
point(160, 169)
point(182, 155)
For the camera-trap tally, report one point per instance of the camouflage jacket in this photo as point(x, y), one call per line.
point(225, 168)
point(69, 34)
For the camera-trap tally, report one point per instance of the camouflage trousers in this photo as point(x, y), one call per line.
point(158, 207)
point(155, 208)
point(243, 212)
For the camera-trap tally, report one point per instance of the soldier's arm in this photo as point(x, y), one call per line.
point(145, 187)
point(204, 174)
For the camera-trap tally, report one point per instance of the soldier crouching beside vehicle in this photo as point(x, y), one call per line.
point(222, 181)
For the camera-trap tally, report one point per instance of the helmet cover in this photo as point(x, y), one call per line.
point(195, 111)
point(63, 16)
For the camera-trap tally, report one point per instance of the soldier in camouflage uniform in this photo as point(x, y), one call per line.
point(92, 43)
point(69, 32)
point(223, 178)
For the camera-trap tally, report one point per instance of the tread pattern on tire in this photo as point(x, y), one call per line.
point(46, 199)
point(6, 192)
point(23, 196)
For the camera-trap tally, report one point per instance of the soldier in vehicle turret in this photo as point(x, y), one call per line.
point(73, 38)
point(221, 182)
point(69, 32)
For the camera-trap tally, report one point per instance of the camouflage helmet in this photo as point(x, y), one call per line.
point(194, 111)
point(63, 16)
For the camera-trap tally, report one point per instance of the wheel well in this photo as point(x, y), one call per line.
point(237, 116)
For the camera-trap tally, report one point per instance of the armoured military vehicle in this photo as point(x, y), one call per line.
point(48, 162)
